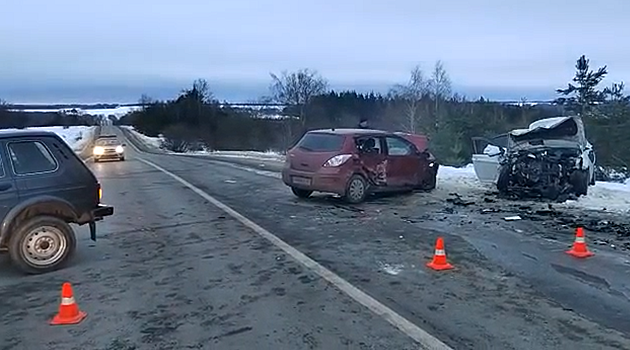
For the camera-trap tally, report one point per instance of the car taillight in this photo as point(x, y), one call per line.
point(100, 193)
point(337, 160)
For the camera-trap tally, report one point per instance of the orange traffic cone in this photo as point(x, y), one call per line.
point(439, 258)
point(69, 312)
point(579, 249)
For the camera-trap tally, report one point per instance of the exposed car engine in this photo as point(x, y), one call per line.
point(548, 173)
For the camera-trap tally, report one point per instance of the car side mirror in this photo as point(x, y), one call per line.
point(124, 145)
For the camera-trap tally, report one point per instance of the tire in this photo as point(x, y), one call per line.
point(580, 180)
point(95, 160)
point(503, 181)
point(301, 193)
point(356, 190)
point(122, 159)
point(41, 231)
point(430, 184)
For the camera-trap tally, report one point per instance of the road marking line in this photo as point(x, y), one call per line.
point(425, 340)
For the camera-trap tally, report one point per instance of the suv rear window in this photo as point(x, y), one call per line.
point(320, 142)
point(30, 157)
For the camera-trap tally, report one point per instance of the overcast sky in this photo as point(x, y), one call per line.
point(76, 50)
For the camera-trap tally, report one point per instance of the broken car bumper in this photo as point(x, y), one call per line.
point(99, 213)
point(102, 211)
point(329, 180)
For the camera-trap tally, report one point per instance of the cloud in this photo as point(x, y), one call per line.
point(353, 42)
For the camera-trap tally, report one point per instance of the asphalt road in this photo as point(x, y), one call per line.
point(172, 271)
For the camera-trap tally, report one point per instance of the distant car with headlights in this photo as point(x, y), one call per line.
point(108, 147)
point(356, 162)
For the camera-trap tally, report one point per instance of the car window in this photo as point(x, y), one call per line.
point(107, 142)
point(398, 147)
point(370, 145)
point(30, 157)
point(320, 142)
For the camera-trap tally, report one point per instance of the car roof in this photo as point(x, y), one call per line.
point(25, 133)
point(349, 131)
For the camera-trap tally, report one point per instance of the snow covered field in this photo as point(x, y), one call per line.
point(117, 112)
point(75, 136)
point(608, 196)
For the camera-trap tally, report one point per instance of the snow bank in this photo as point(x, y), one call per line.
point(76, 137)
point(155, 142)
point(614, 197)
point(269, 155)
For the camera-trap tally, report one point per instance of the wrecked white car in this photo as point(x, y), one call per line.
point(550, 159)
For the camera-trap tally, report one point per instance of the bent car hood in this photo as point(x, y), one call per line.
point(558, 132)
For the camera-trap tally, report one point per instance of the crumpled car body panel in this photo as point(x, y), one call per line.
point(551, 158)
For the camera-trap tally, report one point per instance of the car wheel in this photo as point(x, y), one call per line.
point(95, 160)
point(580, 180)
point(356, 190)
point(301, 193)
point(503, 181)
point(429, 184)
point(41, 244)
point(122, 159)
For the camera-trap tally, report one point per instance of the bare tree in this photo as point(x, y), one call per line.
point(440, 87)
point(297, 89)
point(202, 87)
point(412, 93)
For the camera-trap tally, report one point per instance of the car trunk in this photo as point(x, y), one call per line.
point(313, 150)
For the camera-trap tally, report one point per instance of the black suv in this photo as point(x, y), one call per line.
point(44, 186)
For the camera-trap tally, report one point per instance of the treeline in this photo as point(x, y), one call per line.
point(426, 103)
point(10, 119)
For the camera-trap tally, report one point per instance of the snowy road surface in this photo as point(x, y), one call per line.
point(172, 271)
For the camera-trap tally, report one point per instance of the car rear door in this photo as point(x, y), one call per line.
point(8, 190)
point(404, 163)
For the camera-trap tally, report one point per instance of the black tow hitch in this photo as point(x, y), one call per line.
point(93, 231)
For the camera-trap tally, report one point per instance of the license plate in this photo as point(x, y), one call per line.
point(301, 181)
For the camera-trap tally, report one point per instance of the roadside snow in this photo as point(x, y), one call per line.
point(608, 196)
point(271, 156)
point(155, 142)
point(75, 136)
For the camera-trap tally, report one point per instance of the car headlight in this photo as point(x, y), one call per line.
point(99, 150)
point(119, 149)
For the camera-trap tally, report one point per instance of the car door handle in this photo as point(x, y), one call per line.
point(6, 186)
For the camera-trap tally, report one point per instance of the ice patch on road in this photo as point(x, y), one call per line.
point(76, 137)
point(391, 269)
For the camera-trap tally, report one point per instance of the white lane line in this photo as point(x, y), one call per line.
point(425, 340)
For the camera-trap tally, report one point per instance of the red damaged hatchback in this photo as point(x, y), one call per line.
point(356, 162)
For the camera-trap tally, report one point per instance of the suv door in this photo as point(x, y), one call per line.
point(404, 163)
point(8, 190)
